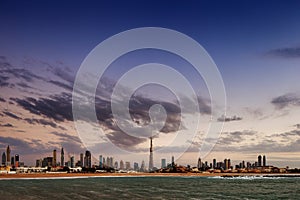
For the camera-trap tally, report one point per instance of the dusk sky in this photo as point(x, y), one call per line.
point(255, 45)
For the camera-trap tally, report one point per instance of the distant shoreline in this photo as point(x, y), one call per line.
point(87, 175)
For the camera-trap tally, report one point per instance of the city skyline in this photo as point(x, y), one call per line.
point(254, 44)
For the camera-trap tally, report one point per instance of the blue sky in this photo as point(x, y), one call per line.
point(255, 45)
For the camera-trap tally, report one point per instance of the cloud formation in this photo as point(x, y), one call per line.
point(286, 100)
point(229, 119)
point(287, 52)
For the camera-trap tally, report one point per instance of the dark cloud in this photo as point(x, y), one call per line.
point(297, 126)
point(23, 85)
point(283, 101)
point(7, 125)
point(288, 52)
point(62, 85)
point(63, 73)
point(57, 107)
point(124, 141)
point(229, 119)
point(41, 121)
point(4, 81)
point(2, 100)
point(9, 114)
point(229, 138)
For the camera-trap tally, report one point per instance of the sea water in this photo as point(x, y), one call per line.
point(151, 188)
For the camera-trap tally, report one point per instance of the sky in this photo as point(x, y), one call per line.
point(254, 44)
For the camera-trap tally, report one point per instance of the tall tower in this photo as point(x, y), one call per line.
point(3, 158)
point(54, 158)
point(264, 161)
point(8, 156)
point(151, 156)
point(62, 157)
point(259, 161)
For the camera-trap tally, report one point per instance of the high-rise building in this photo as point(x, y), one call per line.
point(173, 160)
point(264, 161)
point(100, 161)
point(121, 165)
point(107, 161)
point(259, 161)
point(135, 166)
point(225, 163)
point(163, 163)
point(3, 158)
point(229, 164)
point(143, 167)
point(151, 165)
point(72, 159)
point(17, 160)
point(8, 156)
point(12, 161)
point(214, 163)
point(111, 162)
point(62, 157)
point(54, 158)
point(88, 159)
point(127, 165)
point(104, 162)
point(116, 165)
point(39, 163)
point(199, 165)
point(81, 160)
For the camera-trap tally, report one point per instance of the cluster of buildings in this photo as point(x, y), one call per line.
point(9, 160)
point(84, 164)
point(85, 160)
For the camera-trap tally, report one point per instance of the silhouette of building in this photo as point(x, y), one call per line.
point(81, 160)
point(100, 161)
point(199, 165)
point(163, 163)
point(54, 158)
point(127, 165)
point(62, 157)
point(12, 161)
point(116, 165)
point(259, 161)
point(121, 165)
point(136, 166)
point(8, 156)
point(264, 161)
point(72, 159)
point(17, 160)
point(47, 162)
point(143, 167)
point(3, 158)
point(214, 163)
point(88, 159)
point(151, 156)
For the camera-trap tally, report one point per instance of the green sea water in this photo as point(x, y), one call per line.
point(151, 188)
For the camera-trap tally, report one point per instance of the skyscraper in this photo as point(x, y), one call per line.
point(3, 158)
point(62, 157)
point(199, 165)
point(72, 159)
point(214, 163)
point(88, 159)
point(121, 165)
point(151, 156)
point(264, 161)
point(81, 160)
point(8, 156)
point(173, 160)
point(259, 161)
point(163, 163)
point(54, 158)
point(17, 160)
point(100, 161)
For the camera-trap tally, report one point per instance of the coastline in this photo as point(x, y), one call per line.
point(90, 175)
